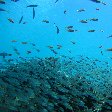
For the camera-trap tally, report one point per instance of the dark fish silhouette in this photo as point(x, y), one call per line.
point(57, 29)
point(21, 20)
point(14, 0)
point(32, 5)
point(2, 2)
point(33, 13)
point(4, 54)
point(56, 1)
point(96, 1)
point(2, 9)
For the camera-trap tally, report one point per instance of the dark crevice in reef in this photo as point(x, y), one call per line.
point(56, 85)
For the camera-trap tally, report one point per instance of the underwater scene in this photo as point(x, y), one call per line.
point(55, 56)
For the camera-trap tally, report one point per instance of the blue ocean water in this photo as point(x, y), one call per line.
point(64, 69)
point(42, 34)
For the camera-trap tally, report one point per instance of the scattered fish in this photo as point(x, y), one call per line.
point(100, 46)
point(59, 46)
point(21, 20)
point(10, 20)
point(4, 54)
point(32, 6)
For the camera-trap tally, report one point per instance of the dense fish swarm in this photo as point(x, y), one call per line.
point(61, 84)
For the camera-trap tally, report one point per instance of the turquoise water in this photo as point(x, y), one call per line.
point(42, 34)
point(52, 68)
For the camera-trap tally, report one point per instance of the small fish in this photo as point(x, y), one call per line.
point(24, 42)
point(73, 42)
point(83, 21)
point(59, 46)
point(24, 22)
point(91, 30)
point(65, 11)
point(2, 9)
point(56, 1)
point(32, 6)
point(14, 0)
point(4, 54)
point(33, 13)
point(70, 30)
point(97, 9)
point(57, 29)
point(21, 20)
point(28, 52)
point(96, 1)
point(101, 52)
point(94, 19)
point(54, 51)
point(81, 10)
point(100, 46)
point(10, 20)
point(13, 40)
point(69, 27)
point(46, 21)
point(33, 44)
point(50, 47)
point(38, 50)
point(109, 49)
point(109, 36)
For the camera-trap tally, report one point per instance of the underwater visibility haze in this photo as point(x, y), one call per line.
point(55, 56)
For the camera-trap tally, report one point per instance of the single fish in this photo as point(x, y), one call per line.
point(57, 29)
point(14, 0)
point(81, 10)
point(10, 20)
point(109, 49)
point(91, 30)
point(32, 5)
point(2, 9)
point(33, 13)
point(70, 30)
point(56, 1)
point(96, 1)
point(21, 20)
point(65, 11)
point(24, 42)
point(46, 21)
point(4, 54)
